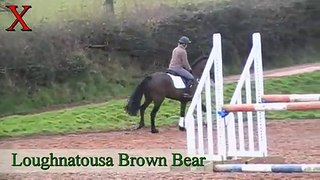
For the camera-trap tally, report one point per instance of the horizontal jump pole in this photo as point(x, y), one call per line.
point(275, 168)
point(291, 106)
point(290, 97)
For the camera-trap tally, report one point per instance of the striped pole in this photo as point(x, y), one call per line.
point(293, 106)
point(291, 97)
point(275, 168)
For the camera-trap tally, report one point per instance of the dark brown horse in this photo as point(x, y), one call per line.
point(158, 86)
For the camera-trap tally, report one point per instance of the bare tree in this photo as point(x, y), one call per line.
point(109, 6)
point(3, 6)
point(4, 3)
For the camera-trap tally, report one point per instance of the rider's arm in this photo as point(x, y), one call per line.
point(185, 61)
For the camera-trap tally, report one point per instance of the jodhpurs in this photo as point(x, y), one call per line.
point(184, 73)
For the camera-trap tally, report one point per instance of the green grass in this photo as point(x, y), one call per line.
point(300, 84)
point(108, 116)
point(111, 115)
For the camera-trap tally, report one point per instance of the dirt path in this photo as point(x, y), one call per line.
point(280, 72)
point(296, 141)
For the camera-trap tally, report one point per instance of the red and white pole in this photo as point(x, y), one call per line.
point(291, 97)
point(291, 106)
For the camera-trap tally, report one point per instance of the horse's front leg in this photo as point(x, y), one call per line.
point(183, 105)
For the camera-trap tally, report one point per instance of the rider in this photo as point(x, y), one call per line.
point(179, 63)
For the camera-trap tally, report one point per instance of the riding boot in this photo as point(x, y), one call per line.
point(187, 94)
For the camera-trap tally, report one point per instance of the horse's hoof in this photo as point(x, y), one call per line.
point(140, 126)
point(182, 128)
point(154, 131)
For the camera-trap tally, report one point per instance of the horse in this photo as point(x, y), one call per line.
point(158, 86)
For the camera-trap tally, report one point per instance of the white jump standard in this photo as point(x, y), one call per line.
point(229, 140)
point(223, 143)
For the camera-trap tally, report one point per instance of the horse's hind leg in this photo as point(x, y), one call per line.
point(204, 108)
point(143, 107)
point(154, 111)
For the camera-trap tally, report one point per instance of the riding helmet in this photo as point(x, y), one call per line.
point(184, 40)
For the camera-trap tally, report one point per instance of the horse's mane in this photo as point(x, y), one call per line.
point(199, 59)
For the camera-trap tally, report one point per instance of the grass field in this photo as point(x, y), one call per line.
point(111, 115)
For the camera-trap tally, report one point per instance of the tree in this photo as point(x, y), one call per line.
point(109, 6)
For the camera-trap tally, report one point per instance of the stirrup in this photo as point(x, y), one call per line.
point(191, 83)
point(187, 96)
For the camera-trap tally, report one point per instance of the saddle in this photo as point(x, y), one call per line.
point(172, 72)
point(185, 80)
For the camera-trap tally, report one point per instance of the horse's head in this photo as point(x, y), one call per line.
point(198, 67)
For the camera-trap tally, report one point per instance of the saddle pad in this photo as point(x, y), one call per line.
point(177, 81)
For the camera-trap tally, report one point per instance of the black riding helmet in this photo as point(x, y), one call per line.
point(184, 40)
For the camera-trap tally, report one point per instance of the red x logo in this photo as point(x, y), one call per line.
point(19, 19)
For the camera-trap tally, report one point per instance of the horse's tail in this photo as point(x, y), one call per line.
point(133, 105)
